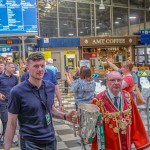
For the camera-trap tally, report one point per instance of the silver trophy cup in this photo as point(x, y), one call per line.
point(88, 120)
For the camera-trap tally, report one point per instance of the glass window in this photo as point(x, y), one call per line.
point(48, 21)
point(148, 19)
point(103, 26)
point(67, 19)
point(137, 3)
point(120, 2)
point(136, 18)
point(85, 1)
point(85, 19)
point(148, 4)
point(120, 21)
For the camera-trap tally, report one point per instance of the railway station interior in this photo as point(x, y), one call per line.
point(76, 33)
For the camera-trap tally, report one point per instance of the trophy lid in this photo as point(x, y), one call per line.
point(89, 107)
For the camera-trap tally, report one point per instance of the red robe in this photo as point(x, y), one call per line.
point(121, 128)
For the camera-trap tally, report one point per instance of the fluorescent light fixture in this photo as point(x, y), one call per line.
point(97, 27)
point(81, 31)
point(101, 6)
point(47, 5)
point(86, 27)
point(70, 34)
point(118, 18)
point(78, 18)
point(132, 17)
point(65, 24)
point(116, 22)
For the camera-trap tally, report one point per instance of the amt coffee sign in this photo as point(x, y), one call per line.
point(98, 41)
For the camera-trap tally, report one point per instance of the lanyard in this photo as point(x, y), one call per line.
point(120, 103)
point(44, 103)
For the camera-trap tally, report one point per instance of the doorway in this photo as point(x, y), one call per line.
point(56, 60)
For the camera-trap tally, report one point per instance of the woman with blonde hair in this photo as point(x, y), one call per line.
point(128, 82)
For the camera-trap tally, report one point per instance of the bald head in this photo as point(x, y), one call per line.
point(113, 73)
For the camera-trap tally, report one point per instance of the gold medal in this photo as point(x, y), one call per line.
point(98, 103)
point(110, 116)
point(114, 119)
point(129, 122)
point(116, 130)
point(122, 126)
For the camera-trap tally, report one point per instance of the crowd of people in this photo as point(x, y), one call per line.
point(31, 102)
point(9, 79)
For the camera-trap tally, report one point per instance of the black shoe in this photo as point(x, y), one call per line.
point(14, 144)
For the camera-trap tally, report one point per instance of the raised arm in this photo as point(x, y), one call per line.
point(111, 65)
point(69, 78)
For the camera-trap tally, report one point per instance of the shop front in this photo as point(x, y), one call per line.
point(116, 49)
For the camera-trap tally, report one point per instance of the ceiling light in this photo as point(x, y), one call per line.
point(86, 27)
point(81, 31)
point(70, 34)
point(101, 6)
point(118, 18)
point(116, 22)
point(97, 27)
point(65, 24)
point(47, 5)
point(132, 17)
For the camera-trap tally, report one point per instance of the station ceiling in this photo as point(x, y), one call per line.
point(46, 14)
point(67, 11)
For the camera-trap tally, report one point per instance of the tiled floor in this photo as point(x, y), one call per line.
point(64, 130)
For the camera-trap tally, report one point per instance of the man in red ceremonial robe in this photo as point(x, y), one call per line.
point(122, 122)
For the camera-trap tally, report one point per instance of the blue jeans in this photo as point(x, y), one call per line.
point(4, 116)
point(28, 145)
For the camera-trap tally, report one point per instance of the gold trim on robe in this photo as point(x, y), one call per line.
point(121, 127)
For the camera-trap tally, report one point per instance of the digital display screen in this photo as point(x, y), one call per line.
point(18, 17)
point(5, 49)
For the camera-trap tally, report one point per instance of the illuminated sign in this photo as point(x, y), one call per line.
point(9, 42)
point(96, 41)
point(18, 17)
point(5, 49)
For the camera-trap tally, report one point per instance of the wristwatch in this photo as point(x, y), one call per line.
point(65, 117)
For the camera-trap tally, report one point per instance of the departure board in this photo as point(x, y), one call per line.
point(18, 17)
